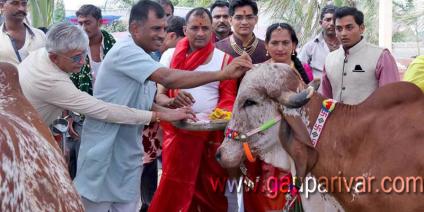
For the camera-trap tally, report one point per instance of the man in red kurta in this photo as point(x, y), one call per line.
point(189, 156)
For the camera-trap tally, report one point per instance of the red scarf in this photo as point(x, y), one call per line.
point(180, 59)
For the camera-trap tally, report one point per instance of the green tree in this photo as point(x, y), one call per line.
point(41, 12)
point(119, 3)
point(116, 26)
point(193, 3)
point(59, 11)
point(410, 20)
point(303, 15)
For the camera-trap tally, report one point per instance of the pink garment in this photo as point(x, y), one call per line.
point(387, 63)
point(308, 71)
point(325, 89)
point(385, 72)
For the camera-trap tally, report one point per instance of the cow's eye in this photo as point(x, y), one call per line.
point(248, 103)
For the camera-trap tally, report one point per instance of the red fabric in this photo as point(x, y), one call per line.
point(257, 200)
point(180, 59)
point(227, 89)
point(189, 163)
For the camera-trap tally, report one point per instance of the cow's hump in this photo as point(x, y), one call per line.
point(394, 94)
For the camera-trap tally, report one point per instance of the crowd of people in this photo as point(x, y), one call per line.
point(121, 97)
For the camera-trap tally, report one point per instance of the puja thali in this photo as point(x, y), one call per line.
point(203, 124)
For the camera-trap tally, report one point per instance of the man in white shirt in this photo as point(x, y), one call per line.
point(180, 187)
point(100, 42)
point(17, 39)
point(315, 51)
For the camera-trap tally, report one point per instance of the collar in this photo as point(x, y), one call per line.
point(356, 48)
point(328, 106)
point(103, 39)
point(319, 38)
point(28, 28)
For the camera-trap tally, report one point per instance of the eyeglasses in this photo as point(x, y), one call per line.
point(247, 17)
point(77, 58)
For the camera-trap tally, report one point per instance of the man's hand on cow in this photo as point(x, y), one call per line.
point(183, 99)
point(177, 114)
point(238, 67)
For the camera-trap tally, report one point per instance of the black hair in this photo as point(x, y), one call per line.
point(44, 29)
point(166, 2)
point(176, 24)
point(219, 3)
point(198, 11)
point(327, 9)
point(346, 11)
point(241, 3)
point(140, 11)
point(297, 64)
point(89, 9)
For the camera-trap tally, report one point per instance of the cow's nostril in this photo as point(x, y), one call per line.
point(218, 155)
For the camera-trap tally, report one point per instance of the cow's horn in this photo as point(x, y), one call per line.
point(299, 99)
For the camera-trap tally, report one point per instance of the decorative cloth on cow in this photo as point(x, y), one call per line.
point(415, 72)
point(50, 91)
point(189, 157)
point(314, 53)
point(234, 46)
point(34, 39)
point(110, 157)
point(350, 76)
point(85, 78)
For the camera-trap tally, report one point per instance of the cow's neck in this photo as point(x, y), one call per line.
point(332, 149)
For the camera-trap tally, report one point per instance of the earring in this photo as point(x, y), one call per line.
point(267, 54)
point(293, 52)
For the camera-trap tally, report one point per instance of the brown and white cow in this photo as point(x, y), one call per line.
point(381, 138)
point(33, 176)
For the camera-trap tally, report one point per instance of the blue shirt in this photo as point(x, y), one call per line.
point(110, 155)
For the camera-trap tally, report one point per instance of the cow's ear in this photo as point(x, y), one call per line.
point(298, 128)
point(298, 144)
point(305, 157)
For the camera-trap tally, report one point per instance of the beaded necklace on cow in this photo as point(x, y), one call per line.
point(328, 106)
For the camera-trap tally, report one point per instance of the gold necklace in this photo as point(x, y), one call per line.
point(249, 50)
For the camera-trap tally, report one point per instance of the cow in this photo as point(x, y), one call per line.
point(33, 174)
point(380, 140)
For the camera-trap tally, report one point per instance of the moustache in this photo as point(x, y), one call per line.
point(20, 13)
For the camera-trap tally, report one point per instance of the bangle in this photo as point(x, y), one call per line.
point(156, 116)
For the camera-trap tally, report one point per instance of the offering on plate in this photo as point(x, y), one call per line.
point(216, 120)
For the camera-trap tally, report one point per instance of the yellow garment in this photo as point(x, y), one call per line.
point(415, 72)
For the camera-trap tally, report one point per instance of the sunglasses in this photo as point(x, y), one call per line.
point(77, 58)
